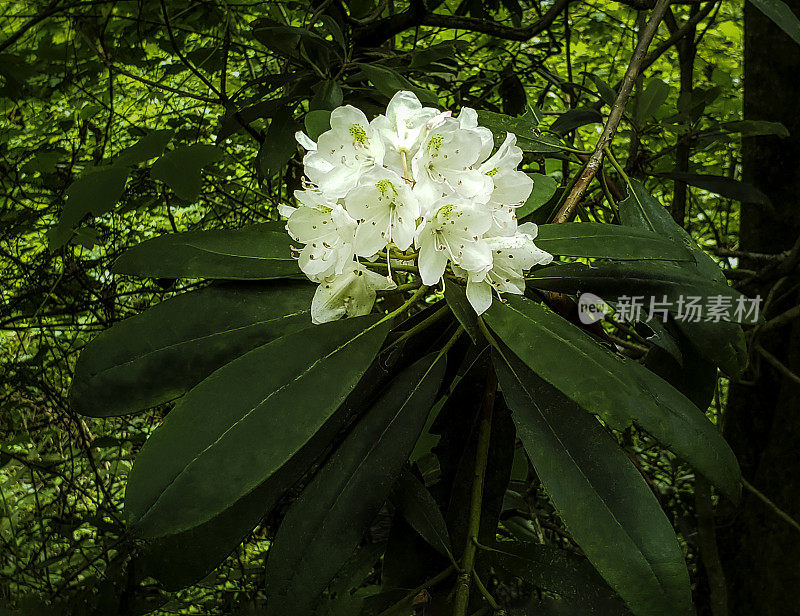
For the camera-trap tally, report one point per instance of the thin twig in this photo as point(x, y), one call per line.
point(775, 509)
point(476, 500)
point(570, 205)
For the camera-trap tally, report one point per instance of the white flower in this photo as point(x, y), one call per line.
point(444, 162)
point(327, 231)
point(511, 188)
point(468, 120)
point(343, 153)
point(386, 210)
point(402, 129)
point(418, 176)
point(511, 256)
point(350, 293)
point(453, 230)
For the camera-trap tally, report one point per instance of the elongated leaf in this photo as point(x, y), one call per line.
point(782, 15)
point(148, 147)
point(456, 297)
point(317, 122)
point(162, 353)
point(328, 96)
point(721, 343)
point(279, 144)
point(575, 118)
point(640, 209)
point(259, 252)
point(236, 119)
point(497, 475)
point(655, 94)
point(544, 566)
point(607, 94)
point(180, 168)
point(755, 128)
point(182, 559)
point(325, 524)
point(94, 193)
point(721, 185)
point(550, 606)
point(645, 279)
point(244, 422)
point(618, 389)
point(604, 241)
point(604, 502)
point(388, 82)
point(544, 187)
point(523, 127)
point(418, 507)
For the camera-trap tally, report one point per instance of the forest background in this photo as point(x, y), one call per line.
point(216, 89)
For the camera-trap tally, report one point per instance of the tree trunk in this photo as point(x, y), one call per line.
point(761, 551)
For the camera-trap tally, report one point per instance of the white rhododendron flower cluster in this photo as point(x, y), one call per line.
point(413, 190)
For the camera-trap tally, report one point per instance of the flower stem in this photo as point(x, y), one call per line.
point(407, 304)
point(401, 267)
point(402, 607)
point(476, 501)
point(423, 325)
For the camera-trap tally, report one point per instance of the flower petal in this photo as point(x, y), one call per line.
point(479, 295)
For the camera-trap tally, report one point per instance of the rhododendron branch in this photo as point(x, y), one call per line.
point(476, 500)
point(570, 206)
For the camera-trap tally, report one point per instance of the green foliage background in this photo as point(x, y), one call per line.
point(94, 94)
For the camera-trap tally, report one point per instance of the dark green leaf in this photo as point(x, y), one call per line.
point(694, 376)
point(604, 501)
point(755, 128)
point(606, 92)
point(181, 168)
point(389, 81)
point(782, 15)
point(244, 422)
point(148, 147)
point(45, 161)
point(328, 96)
point(418, 507)
point(325, 524)
point(544, 566)
point(283, 38)
point(619, 390)
point(722, 343)
point(162, 353)
point(721, 185)
point(334, 30)
point(604, 241)
point(279, 144)
point(656, 279)
point(252, 253)
point(523, 127)
point(456, 298)
point(424, 56)
point(544, 187)
point(655, 94)
point(236, 120)
point(550, 606)
point(575, 118)
point(317, 122)
point(95, 192)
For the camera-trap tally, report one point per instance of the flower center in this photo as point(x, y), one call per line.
point(384, 186)
point(358, 134)
point(435, 144)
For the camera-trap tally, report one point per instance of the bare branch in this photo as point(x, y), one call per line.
point(567, 210)
point(374, 33)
